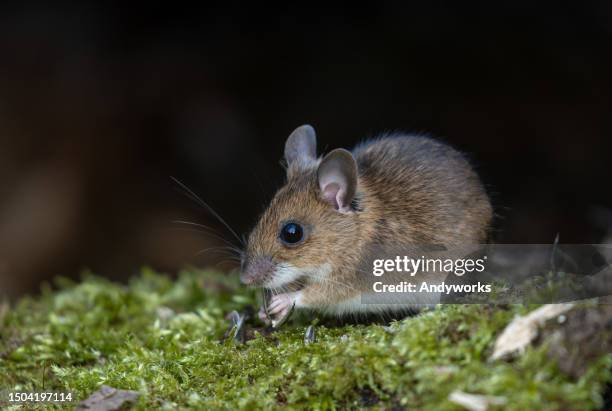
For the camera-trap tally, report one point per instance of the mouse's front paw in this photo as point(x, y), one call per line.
point(280, 308)
point(263, 316)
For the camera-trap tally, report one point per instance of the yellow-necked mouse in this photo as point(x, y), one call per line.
point(394, 190)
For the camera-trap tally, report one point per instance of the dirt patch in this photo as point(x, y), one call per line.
point(579, 337)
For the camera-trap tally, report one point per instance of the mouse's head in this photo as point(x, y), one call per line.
point(310, 222)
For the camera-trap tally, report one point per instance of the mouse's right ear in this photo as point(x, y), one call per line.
point(301, 146)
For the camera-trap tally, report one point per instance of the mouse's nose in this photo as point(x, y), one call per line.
point(256, 270)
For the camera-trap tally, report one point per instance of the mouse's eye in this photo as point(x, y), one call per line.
point(291, 233)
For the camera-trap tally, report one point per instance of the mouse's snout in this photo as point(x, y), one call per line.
point(256, 270)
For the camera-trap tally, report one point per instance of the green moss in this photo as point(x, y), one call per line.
point(163, 339)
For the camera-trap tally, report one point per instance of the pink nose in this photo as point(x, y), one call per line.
point(257, 270)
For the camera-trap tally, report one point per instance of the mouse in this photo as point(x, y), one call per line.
point(393, 190)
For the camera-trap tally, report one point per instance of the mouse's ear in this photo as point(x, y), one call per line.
point(337, 175)
point(301, 146)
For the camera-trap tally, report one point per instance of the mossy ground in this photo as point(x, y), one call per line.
point(83, 335)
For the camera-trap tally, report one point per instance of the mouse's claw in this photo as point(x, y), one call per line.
point(276, 309)
point(281, 307)
point(264, 314)
point(283, 316)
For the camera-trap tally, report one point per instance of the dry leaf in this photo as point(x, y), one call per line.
point(523, 330)
point(475, 402)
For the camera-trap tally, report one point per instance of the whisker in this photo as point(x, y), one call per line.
point(323, 278)
point(218, 264)
point(196, 198)
point(225, 250)
point(210, 232)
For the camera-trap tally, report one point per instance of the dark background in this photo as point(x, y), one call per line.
point(100, 104)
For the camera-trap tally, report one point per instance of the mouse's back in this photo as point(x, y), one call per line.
point(422, 191)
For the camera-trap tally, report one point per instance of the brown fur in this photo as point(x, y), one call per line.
point(411, 190)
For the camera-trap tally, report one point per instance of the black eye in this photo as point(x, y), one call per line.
point(291, 233)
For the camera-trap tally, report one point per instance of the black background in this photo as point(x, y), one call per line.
point(100, 103)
